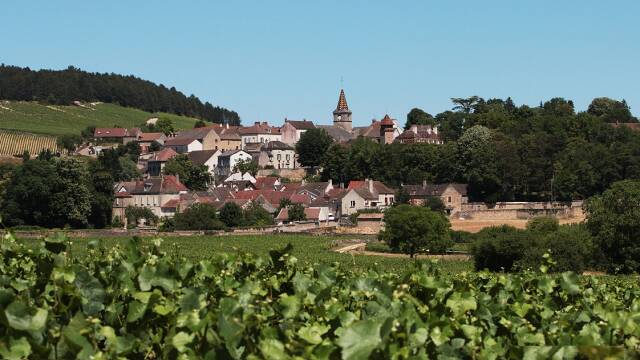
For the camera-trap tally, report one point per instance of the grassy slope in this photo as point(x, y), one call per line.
point(57, 120)
point(307, 249)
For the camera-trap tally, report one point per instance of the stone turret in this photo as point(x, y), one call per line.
point(342, 114)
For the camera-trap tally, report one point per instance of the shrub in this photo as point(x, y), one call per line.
point(571, 248)
point(198, 217)
point(231, 215)
point(413, 229)
point(543, 224)
point(500, 248)
point(296, 213)
point(461, 237)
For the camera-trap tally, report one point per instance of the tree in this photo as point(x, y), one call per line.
point(135, 213)
point(69, 142)
point(194, 177)
point(465, 105)
point(199, 124)
point(418, 117)
point(231, 215)
point(477, 158)
point(543, 224)
point(296, 213)
point(101, 187)
point(198, 217)
point(335, 164)
point(312, 146)
point(434, 203)
point(246, 166)
point(165, 126)
point(414, 229)
point(402, 196)
point(611, 110)
point(614, 221)
point(256, 215)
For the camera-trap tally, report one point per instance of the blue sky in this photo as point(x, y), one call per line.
point(274, 59)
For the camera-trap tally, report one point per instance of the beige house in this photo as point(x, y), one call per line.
point(365, 195)
point(453, 196)
point(151, 193)
point(259, 132)
point(278, 156)
point(293, 129)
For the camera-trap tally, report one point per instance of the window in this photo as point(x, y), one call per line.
point(449, 199)
point(353, 203)
point(288, 157)
point(279, 157)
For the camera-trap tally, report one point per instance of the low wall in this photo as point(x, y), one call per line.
point(295, 175)
point(522, 213)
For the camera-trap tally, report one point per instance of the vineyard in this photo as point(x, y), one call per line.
point(15, 143)
point(134, 301)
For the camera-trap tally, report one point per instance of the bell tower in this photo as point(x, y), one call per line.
point(342, 114)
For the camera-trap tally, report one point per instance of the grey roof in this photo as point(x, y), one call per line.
point(201, 157)
point(229, 153)
point(337, 133)
point(276, 145)
point(365, 194)
point(301, 125)
point(434, 189)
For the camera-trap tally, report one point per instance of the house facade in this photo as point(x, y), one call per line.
point(278, 155)
point(365, 195)
point(420, 134)
point(228, 160)
point(453, 196)
point(292, 130)
point(151, 193)
point(259, 132)
point(208, 158)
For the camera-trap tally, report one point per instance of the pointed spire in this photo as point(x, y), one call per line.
point(342, 102)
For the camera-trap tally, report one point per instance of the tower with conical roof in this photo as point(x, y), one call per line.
point(342, 114)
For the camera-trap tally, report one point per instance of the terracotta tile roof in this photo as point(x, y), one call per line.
point(163, 155)
point(167, 184)
point(276, 145)
point(179, 141)
point(433, 189)
point(171, 204)
point(386, 121)
point(266, 182)
point(259, 128)
point(311, 214)
point(149, 137)
point(365, 194)
point(342, 102)
point(271, 196)
point(300, 199)
point(378, 186)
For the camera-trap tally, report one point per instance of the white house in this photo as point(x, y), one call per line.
point(208, 158)
point(183, 145)
point(259, 132)
point(228, 160)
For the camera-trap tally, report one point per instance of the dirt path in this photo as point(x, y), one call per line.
point(359, 249)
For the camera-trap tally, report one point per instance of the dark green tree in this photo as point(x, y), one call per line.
point(231, 215)
point(246, 166)
point(198, 217)
point(195, 177)
point(418, 117)
point(296, 213)
point(312, 146)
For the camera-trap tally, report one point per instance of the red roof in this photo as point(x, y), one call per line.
point(386, 121)
point(171, 204)
point(300, 199)
point(149, 137)
point(377, 186)
point(271, 196)
point(163, 155)
point(266, 182)
point(259, 128)
point(311, 214)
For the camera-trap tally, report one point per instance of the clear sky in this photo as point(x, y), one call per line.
point(273, 59)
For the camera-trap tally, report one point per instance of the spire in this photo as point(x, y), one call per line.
point(342, 102)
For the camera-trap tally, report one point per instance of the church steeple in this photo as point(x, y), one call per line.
point(342, 114)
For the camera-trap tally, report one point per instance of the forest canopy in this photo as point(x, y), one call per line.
point(63, 87)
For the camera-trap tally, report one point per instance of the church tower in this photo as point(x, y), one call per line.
point(342, 114)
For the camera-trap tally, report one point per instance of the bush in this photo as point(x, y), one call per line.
point(500, 248)
point(198, 217)
point(571, 248)
point(543, 224)
point(413, 229)
point(462, 237)
point(231, 215)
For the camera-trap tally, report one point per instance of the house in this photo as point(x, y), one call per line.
point(229, 137)
point(367, 194)
point(238, 176)
point(383, 131)
point(268, 183)
point(315, 189)
point(120, 135)
point(259, 132)
point(239, 185)
point(453, 196)
point(146, 139)
point(293, 129)
point(277, 155)
point(420, 134)
point(208, 158)
point(155, 161)
point(228, 160)
point(311, 215)
point(153, 193)
point(183, 145)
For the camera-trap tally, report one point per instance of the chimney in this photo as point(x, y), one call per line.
point(414, 128)
point(435, 130)
point(424, 183)
point(341, 185)
point(256, 123)
point(370, 183)
point(227, 124)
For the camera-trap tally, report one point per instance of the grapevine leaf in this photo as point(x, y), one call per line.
point(359, 339)
point(91, 291)
point(273, 349)
point(181, 340)
point(21, 317)
point(18, 349)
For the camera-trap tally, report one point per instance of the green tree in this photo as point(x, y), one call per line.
point(231, 215)
point(69, 142)
point(195, 177)
point(198, 217)
point(312, 146)
point(543, 224)
point(165, 126)
point(477, 158)
point(611, 110)
point(434, 203)
point(246, 166)
point(335, 164)
point(414, 229)
point(465, 105)
point(614, 221)
point(256, 215)
point(155, 146)
point(402, 196)
point(199, 124)
point(296, 213)
point(418, 117)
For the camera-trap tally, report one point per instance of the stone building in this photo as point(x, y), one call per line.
point(293, 129)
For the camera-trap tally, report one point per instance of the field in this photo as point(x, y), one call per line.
point(307, 249)
point(131, 300)
point(15, 143)
point(58, 120)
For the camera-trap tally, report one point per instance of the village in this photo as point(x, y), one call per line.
point(280, 179)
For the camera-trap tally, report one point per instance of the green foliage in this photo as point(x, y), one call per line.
point(435, 204)
point(614, 220)
point(198, 217)
point(246, 166)
point(136, 213)
point(413, 230)
point(165, 126)
point(232, 215)
point(312, 146)
point(611, 110)
point(195, 177)
point(133, 300)
point(402, 196)
point(296, 213)
point(256, 215)
point(543, 224)
point(418, 117)
point(69, 142)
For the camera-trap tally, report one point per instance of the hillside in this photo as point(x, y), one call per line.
point(58, 120)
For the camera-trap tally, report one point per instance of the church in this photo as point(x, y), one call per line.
point(384, 131)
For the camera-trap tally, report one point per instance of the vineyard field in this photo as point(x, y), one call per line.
point(15, 143)
point(135, 301)
point(306, 248)
point(57, 120)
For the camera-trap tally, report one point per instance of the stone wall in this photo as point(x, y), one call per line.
point(295, 175)
point(520, 211)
